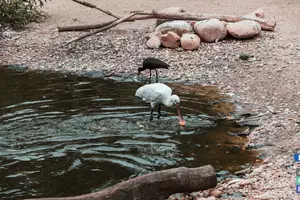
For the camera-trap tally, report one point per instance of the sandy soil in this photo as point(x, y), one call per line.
point(269, 81)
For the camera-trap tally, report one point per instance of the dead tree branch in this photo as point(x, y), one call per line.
point(95, 7)
point(265, 24)
point(96, 26)
point(158, 185)
point(102, 29)
point(85, 27)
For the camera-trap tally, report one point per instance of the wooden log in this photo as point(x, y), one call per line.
point(157, 185)
point(96, 26)
point(84, 27)
point(95, 7)
point(267, 25)
point(102, 29)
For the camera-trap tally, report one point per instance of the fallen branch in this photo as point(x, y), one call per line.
point(95, 7)
point(84, 27)
point(102, 29)
point(265, 24)
point(158, 185)
point(97, 26)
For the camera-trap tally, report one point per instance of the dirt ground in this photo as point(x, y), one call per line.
point(268, 84)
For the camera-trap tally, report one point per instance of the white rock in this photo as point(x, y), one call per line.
point(177, 26)
point(9, 34)
point(154, 42)
point(244, 29)
point(190, 41)
point(210, 30)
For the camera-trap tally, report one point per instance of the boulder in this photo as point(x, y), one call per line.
point(170, 40)
point(210, 30)
point(169, 10)
point(190, 41)
point(153, 42)
point(244, 29)
point(177, 26)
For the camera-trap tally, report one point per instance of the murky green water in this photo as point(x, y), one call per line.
point(67, 135)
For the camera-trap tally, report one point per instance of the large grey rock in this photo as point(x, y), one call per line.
point(210, 30)
point(177, 26)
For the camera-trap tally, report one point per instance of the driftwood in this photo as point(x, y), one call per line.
point(158, 185)
point(265, 24)
point(97, 26)
point(259, 13)
point(84, 27)
point(102, 29)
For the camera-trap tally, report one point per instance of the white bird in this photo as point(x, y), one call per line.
point(157, 94)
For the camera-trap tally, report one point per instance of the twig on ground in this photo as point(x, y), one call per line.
point(97, 8)
point(102, 29)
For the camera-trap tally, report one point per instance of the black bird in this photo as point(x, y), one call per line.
point(153, 63)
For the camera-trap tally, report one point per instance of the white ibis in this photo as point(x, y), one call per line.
point(152, 63)
point(157, 94)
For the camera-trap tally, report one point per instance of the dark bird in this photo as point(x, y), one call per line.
point(152, 63)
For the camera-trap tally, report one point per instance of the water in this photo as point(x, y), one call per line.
point(68, 135)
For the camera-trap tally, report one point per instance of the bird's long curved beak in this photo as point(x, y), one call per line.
point(181, 121)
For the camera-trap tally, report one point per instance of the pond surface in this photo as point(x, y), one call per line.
point(70, 135)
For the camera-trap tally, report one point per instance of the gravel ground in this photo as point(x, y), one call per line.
point(267, 83)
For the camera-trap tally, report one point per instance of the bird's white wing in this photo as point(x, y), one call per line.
point(148, 93)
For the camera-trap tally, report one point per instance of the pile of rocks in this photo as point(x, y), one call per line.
point(189, 35)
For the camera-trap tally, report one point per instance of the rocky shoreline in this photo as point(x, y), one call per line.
point(267, 83)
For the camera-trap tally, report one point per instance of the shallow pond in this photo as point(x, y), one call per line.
point(69, 135)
